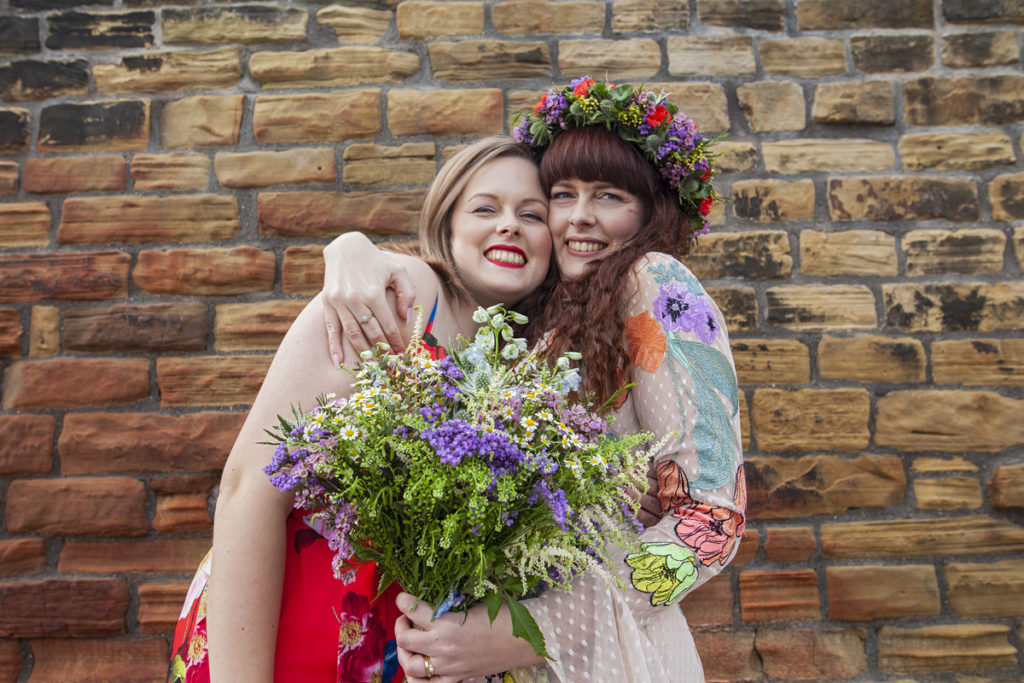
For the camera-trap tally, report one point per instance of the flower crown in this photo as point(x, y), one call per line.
point(665, 136)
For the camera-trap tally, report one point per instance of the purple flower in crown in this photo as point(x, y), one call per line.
point(676, 307)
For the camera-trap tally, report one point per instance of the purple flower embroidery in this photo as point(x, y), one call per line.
point(707, 324)
point(677, 308)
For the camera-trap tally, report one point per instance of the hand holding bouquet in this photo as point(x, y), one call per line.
point(471, 478)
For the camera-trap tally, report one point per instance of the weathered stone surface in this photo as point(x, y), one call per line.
point(202, 121)
point(210, 380)
point(888, 198)
point(151, 327)
point(88, 126)
point(73, 383)
point(63, 607)
point(24, 224)
point(992, 589)
point(771, 361)
point(355, 24)
point(953, 306)
point(790, 544)
point(943, 465)
point(160, 606)
point(152, 556)
point(705, 103)
point(9, 171)
point(177, 218)
point(803, 57)
point(13, 131)
point(880, 592)
point(955, 151)
point(892, 53)
point(831, 654)
point(1006, 487)
point(390, 171)
point(735, 156)
point(21, 556)
point(26, 442)
point(328, 67)
point(525, 17)
point(631, 16)
point(860, 103)
point(728, 654)
point(762, 15)
point(945, 648)
point(18, 35)
point(120, 659)
point(1006, 193)
point(773, 105)
point(182, 512)
point(952, 421)
point(751, 255)
point(170, 71)
point(427, 112)
point(779, 595)
point(989, 10)
point(44, 332)
point(869, 358)
point(851, 252)
point(931, 252)
point(185, 483)
point(82, 275)
point(964, 100)
point(738, 305)
point(175, 171)
point(419, 20)
point(205, 272)
point(831, 15)
point(106, 506)
point(317, 117)
point(749, 545)
point(773, 201)
point(240, 24)
point(488, 60)
point(1018, 244)
point(10, 332)
point(63, 175)
point(816, 307)
point(952, 493)
point(260, 169)
point(921, 537)
point(711, 603)
point(976, 50)
point(628, 58)
point(807, 419)
point(33, 79)
point(711, 56)
point(260, 325)
point(781, 488)
point(808, 155)
point(99, 30)
point(329, 213)
point(302, 270)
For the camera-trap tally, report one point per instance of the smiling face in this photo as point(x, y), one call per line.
point(500, 242)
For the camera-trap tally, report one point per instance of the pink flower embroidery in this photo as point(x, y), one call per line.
point(360, 641)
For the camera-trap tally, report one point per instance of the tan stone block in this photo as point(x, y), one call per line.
point(428, 112)
point(260, 169)
point(637, 58)
point(9, 171)
point(419, 20)
point(779, 595)
point(259, 325)
point(328, 67)
point(711, 603)
point(10, 332)
point(1006, 487)
point(691, 56)
point(148, 555)
point(859, 103)
point(943, 465)
point(24, 224)
point(63, 175)
point(104, 506)
point(20, 556)
point(355, 24)
point(803, 57)
point(488, 60)
point(951, 421)
point(44, 332)
point(870, 358)
point(974, 50)
point(525, 17)
point(1006, 192)
point(182, 512)
point(931, 252)
point(873, 592)
point(74, 383)
point(1018, 244)
point(807, 419)
point(771, 361)
point(744, 422)
point(735, 156)
point(317, 117)
point(704, 103)
point(28, 278)
point(160, 605)
point(202, 121)
point(211, 380)
point(790, 544)
point(945, 648)
point(820, 307)
point(302, 270)
point(751, 255)
point(170, 71)
point(773, 201)
point(390, 172)
point(809, 155)
point(763, 15)
point(952, 493)
point(812, 654)
point(851, 252)
point(55, 608)
point(177, 218)
point(773, 105)
point(175, 171)
point(205, 272)
point(738, 305)
point(960, 536)
point(889, 198)
point(955, 151)
point(633, 16)
point(964, 100)
point(233, 25)
point(951, 306)
point(728, 654)
point(323, 214)
point(992, 589)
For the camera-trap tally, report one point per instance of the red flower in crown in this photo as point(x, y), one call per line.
point(540, 105)
point(705, 206)
point(658, 116)
point(583, 88)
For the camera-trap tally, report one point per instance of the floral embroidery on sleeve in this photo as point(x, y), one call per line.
point(712, 530)
point(665, 570)
point(647, 342)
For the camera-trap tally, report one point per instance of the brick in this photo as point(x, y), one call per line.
point(176, 218)
point(99, 30)
point(963, 536)
point(986, 590)
point(202, 121)
point(773, 105)
point(73, 383)
point(750, 543)
point(63, 607)
point(735, 156)
point(210, 380)
point(1006, 192)
point(924, 307)
point(691, 56)
point(9, 171)
point(10, 332)
point(150, 556)
point(11, 662)
point(892, 53)
point(185, 483)
point(991, 10)
point(809, 155)
point(205, 272)
point(260, 169)
point(22, 556)
point(964, 100)
point(19, 35)
point(850, 252)
point(105, 443)
point(26, 444)
point(24, 224)
point(34, 79)
point(943, 465)
point(317, 117)
point(889, 198)
point(978, 50)
point(751, 255)
point(818, 307)
point(355, 24)
point(952, 493)
point(870, 358)
point(858, 103)
point(419, 20)
point(790, 544)
point(13, 131)
point(84, 275)
point(1006, 487)
point(706, 103)
point(329, 67)
point(182, 512)
point(63, 175)
point(779, 595)
point(728, 655)
point(246, 24)
point(487, 60)
point(803, 57)
point(525, 17)
point(175, 171)
point(634, 16)
point(806, 419)
point(833, 15)
point(951, 421)
point(711, 603)
point(302, 270)
point(812, 654)
point(155, 328)
point(170, 72)
point(44, 332)
point(979, 362)
point(370, 164)
point(254, 326)
point(326, 214)
point(627, 58)
point(108, 506)
point(871, 592)
point(931, 252)
point(945, 648)
point(120, 659)
point(738, 305)
point(955, 151)
point(160, 606)
point(121, 125)
point(771, 361)
point(761, 15)
point(773, 201)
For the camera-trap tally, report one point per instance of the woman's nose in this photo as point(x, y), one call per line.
point(509, 225)
point(581, 214)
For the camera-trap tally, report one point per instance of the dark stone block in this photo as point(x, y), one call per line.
point(19, 35)
point(762, 15)
point(983, 10)
point(148, 328)
point(830, 15)
point(889, 54)
point(992, 100)
point(13, 131)
point(83, 30)
point(35, 80)
point(96, 123)
point(37, 5)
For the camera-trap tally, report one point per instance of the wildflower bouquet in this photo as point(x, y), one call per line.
point(468, 479)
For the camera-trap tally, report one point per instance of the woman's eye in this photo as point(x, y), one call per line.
point(561, 194)
point(532, 216)
point(483, 210)
point(611, 195)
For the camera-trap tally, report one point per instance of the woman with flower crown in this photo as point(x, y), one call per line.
point(629, 183)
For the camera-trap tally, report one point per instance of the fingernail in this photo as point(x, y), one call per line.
point(337, 359)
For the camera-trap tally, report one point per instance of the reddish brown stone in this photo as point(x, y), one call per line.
point(74, 382)
point(19, 556)
point(205, 272)
point(749, 546)
point(111, 506)
point(121, 659)
point(182, 512)
point(812, 654)
point(790, 544)
point(878, 592)
point(10, 332)
point(210, 381)
point(11, 662)
point(185, 483)
point(160, 605)
point(177, 218)
point(710, 604)
point(945, 648)
point(137, 327)
point(24, 224)
point(75, 174)
point(325, 214)
point(156, 556)
point(779, 595)
point(302, 270)
point(63, 607)
point(83, 275)
point(26, 444)
point(728, 655)
point(260, 325)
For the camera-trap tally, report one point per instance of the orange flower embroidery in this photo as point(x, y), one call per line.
point(647, 342)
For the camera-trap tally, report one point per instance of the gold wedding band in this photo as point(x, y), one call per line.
point(365, 319)
point(428, 668)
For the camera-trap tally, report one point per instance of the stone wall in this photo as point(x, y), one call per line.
point(170, 172)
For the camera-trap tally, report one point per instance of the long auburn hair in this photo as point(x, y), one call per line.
point(585, 314)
